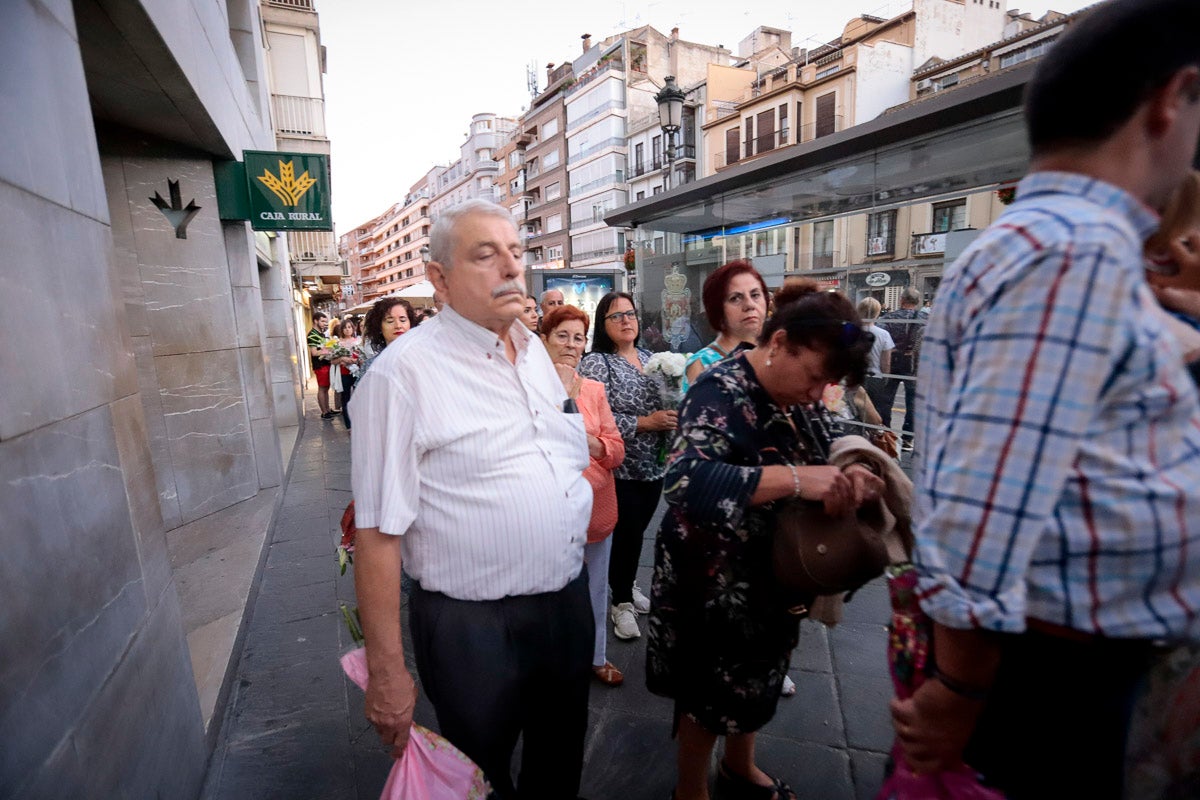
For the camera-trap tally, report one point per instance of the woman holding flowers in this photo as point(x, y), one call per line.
point(720, 635)
point(644, 418)
point(564, 331)
point(348, 359)
point(735, 302)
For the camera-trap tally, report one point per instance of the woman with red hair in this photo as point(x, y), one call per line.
point(735, 301)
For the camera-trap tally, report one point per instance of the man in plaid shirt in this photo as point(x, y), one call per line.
point(1058, 433)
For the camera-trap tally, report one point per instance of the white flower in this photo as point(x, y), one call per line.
point(667, 364)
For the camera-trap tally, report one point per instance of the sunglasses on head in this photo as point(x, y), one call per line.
point(849, 333)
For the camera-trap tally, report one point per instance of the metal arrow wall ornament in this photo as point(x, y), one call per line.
point(176, 213)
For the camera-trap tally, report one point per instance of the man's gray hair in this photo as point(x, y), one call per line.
point(441, 237)
point(911, 297)
point(548, 291)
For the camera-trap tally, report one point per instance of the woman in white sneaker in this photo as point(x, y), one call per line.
point(564, 331)
point(637, 404)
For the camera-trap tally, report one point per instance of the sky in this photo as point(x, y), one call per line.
point(404, 77)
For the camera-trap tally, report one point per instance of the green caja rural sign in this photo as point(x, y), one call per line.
point(276, 191)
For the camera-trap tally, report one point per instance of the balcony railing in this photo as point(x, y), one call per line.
point(807, 133)
point(301, 5)
point(589, 254)
point(298, 116)
point(615, 141)
point(593, 73)
point(604, 180)
point(928, 244)
point(312, 246)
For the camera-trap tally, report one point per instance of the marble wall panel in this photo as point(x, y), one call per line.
point(142, 735)
point(266, 452)
point(287, 404)
point(189, 301)
point(254, 379)
point(72, 578)
point(279, 359)
point(156, 429)
point(247, 312)
point(239, 247)
point(141, 491)
point(125, 260)
point(47, 128)
point(67, 299)
point(277, 317)
point(208, 430)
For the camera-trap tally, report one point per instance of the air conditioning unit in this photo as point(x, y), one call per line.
point(924, 83)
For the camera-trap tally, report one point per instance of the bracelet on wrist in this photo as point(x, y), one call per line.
point(795, 482)
point(961, 689)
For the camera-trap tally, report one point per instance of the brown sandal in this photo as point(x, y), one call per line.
point(608, 674)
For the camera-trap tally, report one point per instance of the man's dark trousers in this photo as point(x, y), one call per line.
point(497, 669)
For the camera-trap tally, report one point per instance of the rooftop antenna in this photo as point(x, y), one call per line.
point(531, 78)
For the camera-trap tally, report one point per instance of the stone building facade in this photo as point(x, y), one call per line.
point(148, 416)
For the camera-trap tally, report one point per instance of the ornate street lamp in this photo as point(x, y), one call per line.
point(670, 117)
point(424, 254)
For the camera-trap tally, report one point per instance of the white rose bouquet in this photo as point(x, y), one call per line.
point(667, 369)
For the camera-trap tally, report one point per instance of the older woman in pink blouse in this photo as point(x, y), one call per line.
point(564, 331)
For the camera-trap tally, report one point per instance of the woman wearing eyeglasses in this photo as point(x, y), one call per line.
point(564, 331)
point(719, 636)
point(637, 404)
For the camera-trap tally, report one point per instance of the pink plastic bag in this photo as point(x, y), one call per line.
point(431, 768)
point(910, 637)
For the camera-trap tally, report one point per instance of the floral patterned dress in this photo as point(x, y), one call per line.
point(719, 637)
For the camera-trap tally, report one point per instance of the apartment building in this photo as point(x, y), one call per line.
point(541, 154)
point(875, 207)
point(616, 82)
point(849, 80)
point(474, 174)
point(296, 69)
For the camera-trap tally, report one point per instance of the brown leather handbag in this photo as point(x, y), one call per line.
point(816, 554)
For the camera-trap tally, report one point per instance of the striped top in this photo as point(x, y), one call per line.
point(1058, 433)
point(471, 458)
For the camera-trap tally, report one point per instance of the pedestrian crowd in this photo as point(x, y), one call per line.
point(510, 471)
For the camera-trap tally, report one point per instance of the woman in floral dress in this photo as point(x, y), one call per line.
point(720, 638)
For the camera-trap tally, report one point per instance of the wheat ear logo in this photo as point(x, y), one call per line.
point(287, 187)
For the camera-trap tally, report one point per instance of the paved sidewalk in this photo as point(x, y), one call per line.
point(294, 727)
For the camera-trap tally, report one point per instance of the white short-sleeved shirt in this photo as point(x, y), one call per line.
point(883, 342)
point(472, 459)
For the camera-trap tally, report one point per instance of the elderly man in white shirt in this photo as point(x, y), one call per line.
point(468, 468)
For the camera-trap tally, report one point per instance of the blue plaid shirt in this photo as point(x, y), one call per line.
point(1058, 433)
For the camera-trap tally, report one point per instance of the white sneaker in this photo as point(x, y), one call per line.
point(789, 687)
point(624, 621)
point(641, 603)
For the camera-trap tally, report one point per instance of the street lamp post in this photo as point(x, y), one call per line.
point(670, 118)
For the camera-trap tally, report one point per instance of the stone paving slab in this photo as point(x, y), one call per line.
point(295, 728)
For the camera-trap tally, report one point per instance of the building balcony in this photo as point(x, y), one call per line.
point(296, 5)
point(928, 244)
point(298, 116)
point(615, 141)
point(595, 72)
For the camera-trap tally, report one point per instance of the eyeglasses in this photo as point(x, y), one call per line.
point(564, 338)
point(620, 315)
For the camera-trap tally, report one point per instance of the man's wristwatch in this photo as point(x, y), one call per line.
point(569, 406)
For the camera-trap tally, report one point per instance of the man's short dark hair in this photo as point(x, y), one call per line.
point(1104, 66)
point(319, 315)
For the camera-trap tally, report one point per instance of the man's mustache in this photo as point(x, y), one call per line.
point(510, 286)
